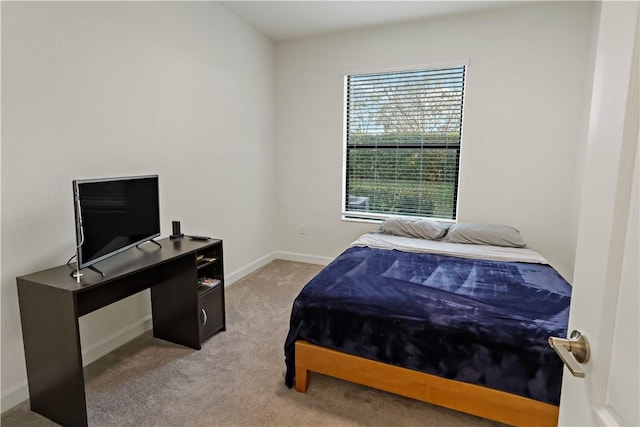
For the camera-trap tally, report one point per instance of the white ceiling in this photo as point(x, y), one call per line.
point(287, 20)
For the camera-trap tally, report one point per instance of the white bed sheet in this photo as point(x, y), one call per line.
point(486, 252)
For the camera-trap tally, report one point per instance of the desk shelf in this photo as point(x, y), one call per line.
point(211, 311)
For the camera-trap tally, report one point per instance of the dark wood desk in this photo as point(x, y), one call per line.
point(51, 302)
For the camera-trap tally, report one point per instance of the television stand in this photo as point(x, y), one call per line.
point(93, 268)
point(183, 312)
point(150, 240)
point(77, 273)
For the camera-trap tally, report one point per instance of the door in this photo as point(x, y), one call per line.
point(606, 279)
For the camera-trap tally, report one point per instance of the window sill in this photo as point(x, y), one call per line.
point(380, 219)
point(348, 218)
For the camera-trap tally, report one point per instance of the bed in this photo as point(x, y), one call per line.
point(463, 326)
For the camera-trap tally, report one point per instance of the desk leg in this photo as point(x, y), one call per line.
point(174, 304)
point(52, 353)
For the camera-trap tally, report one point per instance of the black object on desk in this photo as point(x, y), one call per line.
point(51, 302)
point(175, 230)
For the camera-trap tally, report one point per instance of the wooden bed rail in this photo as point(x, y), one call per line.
point(469, 398)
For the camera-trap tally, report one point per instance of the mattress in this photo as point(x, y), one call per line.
point(458, 316)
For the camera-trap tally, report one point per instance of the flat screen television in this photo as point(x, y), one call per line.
point(113, 215)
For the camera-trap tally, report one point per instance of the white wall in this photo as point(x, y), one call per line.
point(94, 89)
point(187, 90)
point(523, 120)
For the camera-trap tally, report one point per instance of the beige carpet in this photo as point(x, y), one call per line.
point(237, 377)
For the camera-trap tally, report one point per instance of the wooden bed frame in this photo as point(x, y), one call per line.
point(469, 398)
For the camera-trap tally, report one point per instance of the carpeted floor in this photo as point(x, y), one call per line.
point(237, 377)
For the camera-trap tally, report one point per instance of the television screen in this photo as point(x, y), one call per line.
point(114, 214)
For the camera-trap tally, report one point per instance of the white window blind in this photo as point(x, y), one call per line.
point(403, 134)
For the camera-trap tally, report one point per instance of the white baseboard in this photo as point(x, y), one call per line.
point(14, 395)
point(288, 256)
point(248, 269)
point(20, 392)
point(115, 340)
point(311, 259)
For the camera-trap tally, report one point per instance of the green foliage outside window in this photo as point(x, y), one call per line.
point(403, 142)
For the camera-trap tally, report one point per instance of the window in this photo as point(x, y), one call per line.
point(403, 134)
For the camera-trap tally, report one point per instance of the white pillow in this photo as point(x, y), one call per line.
point(485, 234)
point(414, 227)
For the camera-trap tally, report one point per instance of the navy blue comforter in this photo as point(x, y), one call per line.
point(481, 322)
